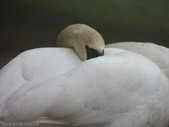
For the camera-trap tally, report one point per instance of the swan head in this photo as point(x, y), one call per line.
point(86, 41)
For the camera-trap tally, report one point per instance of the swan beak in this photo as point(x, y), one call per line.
point(93, 53)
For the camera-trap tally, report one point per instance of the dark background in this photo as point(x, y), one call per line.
point(27, 24)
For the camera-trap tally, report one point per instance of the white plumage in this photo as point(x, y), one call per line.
point(36, 64)
point(119, 89)
point(156, 53)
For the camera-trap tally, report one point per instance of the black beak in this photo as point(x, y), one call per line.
point(92, 53)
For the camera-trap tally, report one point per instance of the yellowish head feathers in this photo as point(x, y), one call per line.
point(78, 36)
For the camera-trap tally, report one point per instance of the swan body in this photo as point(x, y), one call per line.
point(156, 53)
point(120, 89)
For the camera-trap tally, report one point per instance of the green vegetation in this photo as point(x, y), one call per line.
point(117, 20)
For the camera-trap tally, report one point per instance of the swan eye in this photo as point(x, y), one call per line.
point(92, 53)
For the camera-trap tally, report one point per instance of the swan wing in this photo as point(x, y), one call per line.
point(35, 64)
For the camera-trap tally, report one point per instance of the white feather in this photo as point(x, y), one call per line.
point(156, 53)
point(120, 89)
point(36, 64)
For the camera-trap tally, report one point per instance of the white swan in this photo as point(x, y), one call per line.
point(158, 54)
point(120, 89)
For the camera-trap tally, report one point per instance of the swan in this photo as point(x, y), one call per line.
point(156, 53)
point(119, 89)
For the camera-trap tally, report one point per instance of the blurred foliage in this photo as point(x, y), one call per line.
point(29, 24)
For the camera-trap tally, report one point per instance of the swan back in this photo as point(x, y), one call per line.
point(158, 54)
